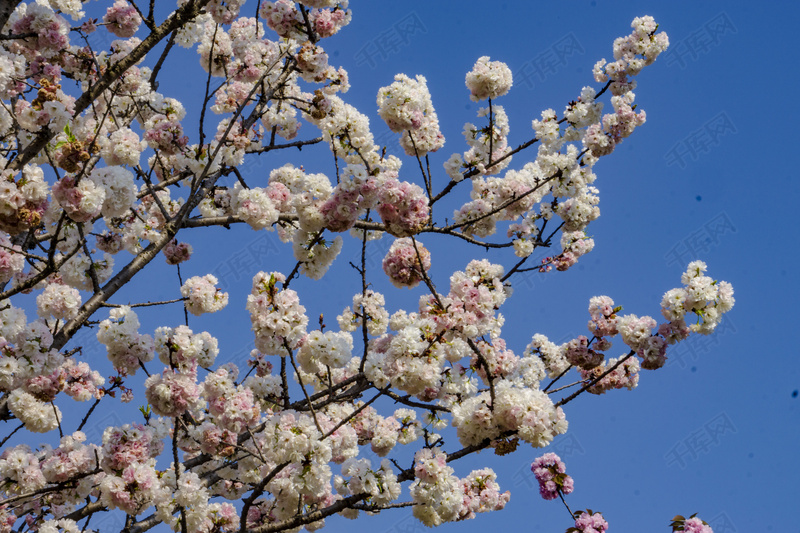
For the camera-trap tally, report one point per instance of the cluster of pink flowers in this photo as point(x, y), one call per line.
point(624, 376)
point(128, 444)
point(482, 494)
point(232, 407)
point(58, 301)
point(171, 393)
point(589, 522)
point(405, 262)
point(403, 207)
point(122, 19)
point(176, 252)
point(551, 473)
point(182, 349)
point(579, 353)
point(81, 200)
point(11, 261)
point(49, 29)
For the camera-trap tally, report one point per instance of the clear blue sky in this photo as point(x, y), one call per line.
point(714, 432)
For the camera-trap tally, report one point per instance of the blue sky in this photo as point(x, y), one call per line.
point(716, 431)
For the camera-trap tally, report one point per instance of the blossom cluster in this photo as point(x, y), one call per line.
point(96, 178)
point(551, 473)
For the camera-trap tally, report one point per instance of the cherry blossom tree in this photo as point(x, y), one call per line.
point(102, 174)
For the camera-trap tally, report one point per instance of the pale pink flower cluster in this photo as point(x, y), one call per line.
point(624, 376)
point(59, 301)
point(276, 314)
point(528, 412)
point(590, 523)
point(603, 322)
point(551, 473)
point(633, 52)
point(123, 148)
point(203, 295)
point(132, 490)
point(405, 262)
point(127, 445)
point(487, 145)
point(164, 132)
point(70, 459)
point(636, 331)
point(81, 201)
point(11, 262)
point(127, 349)
point(75, 271)
point(574, 245)
point(312, 62)
point(407, 108)
point(403, 207)
point(442, 497)
point(122, 19)
point(496, 360)
point(316, 257)
point(437, 492)
point(580, 354)
point(231, 407)
point(21, 469)
point(475, 294)
point(23, 200)
point(253, 206)
point(76, 379)
point(701, 295)
point(552, 356)
point(488, 79)
point(482, 494)
point(601, 138)
point(224, 11)
point(184, 350)
point(51, 30)
point(284, 18)
point(171, 393)
point(695, 525)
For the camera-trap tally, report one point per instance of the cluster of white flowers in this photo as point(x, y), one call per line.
point(203, 295)
point(123, 148)
point(488, 79)
point(369, 307)
point(126, 347)
point(120, 190)
point(36, 415)
point(316, 257)
point(701, 295)
point(330, 349)
point(182, 349)
point(277, 315)
point(407, 108)
point(380, 484)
